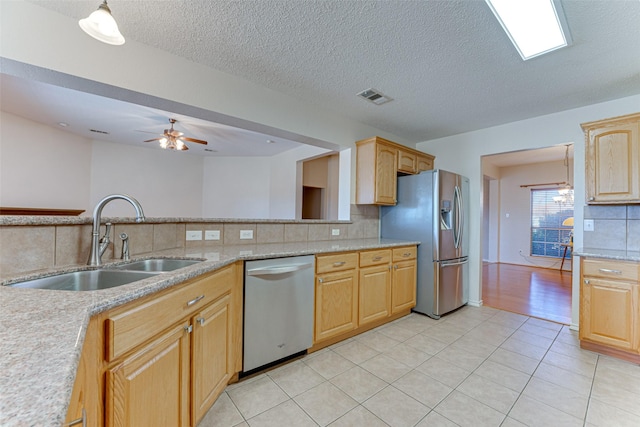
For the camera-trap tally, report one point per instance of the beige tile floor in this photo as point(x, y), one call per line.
point(474, 367)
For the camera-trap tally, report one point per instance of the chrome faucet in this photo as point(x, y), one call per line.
point(98, 245)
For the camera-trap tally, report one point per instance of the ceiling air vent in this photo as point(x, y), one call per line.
point(99, 131)
point(372, 95)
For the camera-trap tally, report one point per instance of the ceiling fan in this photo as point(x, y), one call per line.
point(174, 140)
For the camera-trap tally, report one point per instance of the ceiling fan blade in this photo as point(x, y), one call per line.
point(197, 141)
point(154, 139)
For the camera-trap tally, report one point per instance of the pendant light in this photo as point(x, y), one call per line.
point(566, 193)
point(101, 26)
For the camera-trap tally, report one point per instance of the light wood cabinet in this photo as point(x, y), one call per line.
point(424, 163)
point(336, 295)
point(151, 386)
point(609, 305)
point(212, 355)
point(403, 279)
point(165, 358)
point(407, 162)
point(374, 286)
point(613, 160)
point(357, 291)
point(378, 163)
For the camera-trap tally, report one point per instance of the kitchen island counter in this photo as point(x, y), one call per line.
point(42, 331)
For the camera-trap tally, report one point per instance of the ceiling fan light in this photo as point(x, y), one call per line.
point(163, 142)
point(179, 145)
point(101, 26)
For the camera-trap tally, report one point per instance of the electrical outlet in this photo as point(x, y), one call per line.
point(246, 234)
point(335, 231)
point(588, 225)
point(211, 234)
point(194, 235)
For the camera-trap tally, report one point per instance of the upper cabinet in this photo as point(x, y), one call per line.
point(378, 163)
point(613, 160)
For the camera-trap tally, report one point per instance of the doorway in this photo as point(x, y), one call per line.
point(320, 187)
point(516, 276)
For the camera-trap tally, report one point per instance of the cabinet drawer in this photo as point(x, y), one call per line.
point(329, 263)
point(133, 324)
point(612, 270)
point(375, 257)
point(400, 254)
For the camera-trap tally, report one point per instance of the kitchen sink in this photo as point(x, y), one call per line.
point(90, 280)
point(157, 264)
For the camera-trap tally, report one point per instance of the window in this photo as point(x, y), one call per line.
point(548, 211)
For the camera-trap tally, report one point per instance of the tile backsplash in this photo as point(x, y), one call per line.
point(30, 248)
point(615, 227)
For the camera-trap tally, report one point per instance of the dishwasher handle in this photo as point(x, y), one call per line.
point(278, 269)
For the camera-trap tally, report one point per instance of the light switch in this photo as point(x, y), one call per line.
point(588, 225)
point(246, 234)
point(335, 231)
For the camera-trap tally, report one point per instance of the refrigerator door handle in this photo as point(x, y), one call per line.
point(456, 262)
point(459, 217)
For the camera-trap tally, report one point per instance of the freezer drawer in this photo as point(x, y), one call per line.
point(450, 292)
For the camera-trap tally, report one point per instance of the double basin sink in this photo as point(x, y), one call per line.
point(92, 280)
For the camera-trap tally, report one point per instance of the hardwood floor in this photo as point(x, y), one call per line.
point(533, 291)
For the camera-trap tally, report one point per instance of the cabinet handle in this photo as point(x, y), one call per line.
point(395, 267)
point(607, 270)
point(321, 280)
point(339, 263)
point(378, 258)
point(82, 420)
point(586, 281)
point(189, 328)
point(591, 199)
point(406, 254)
point(200, 320)
point(195, 300)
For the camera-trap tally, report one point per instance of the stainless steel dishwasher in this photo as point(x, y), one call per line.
point(278, 309)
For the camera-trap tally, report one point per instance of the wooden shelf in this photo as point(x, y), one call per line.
point(40, 211)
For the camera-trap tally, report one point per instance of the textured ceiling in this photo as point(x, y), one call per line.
point(447, 64)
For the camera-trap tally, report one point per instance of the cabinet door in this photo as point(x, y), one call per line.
point(424, 163)
point(403, 286)
point(151, 386)
point(406, 162)
point(386, 175)
point(336, 302)
point(212, 358)
point(613, 164)
point(609, 313)
point(374, 293)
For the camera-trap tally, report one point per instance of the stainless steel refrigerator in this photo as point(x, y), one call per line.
point(433, 208)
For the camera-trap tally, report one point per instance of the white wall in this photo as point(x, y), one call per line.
point(165, 182)
point(236, 187)
point(537, 132)
point(40, 37)
point(515, 229)
point(42, 167)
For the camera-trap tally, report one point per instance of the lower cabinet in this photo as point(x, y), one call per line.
point(151, 386)
point(610, 307)
point(164, 359)
point(356, 291)
point(212, 355)
point(336, 296)
point(403, 279)
point(375, 286)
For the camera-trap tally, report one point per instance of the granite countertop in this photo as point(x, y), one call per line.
point(42, 331)
point(620, 255)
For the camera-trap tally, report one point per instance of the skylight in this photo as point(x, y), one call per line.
point(534, 26)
